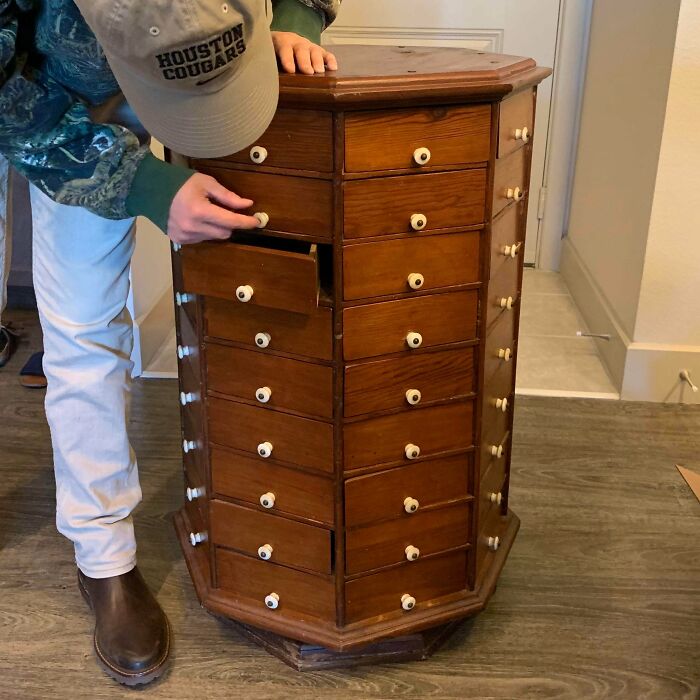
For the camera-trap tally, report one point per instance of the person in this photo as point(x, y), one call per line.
point(202, 77)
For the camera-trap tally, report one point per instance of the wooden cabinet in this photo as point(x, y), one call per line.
point(347, 371)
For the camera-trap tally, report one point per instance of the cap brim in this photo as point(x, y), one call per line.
point(210, 125)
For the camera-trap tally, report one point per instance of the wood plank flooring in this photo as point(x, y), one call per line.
point(600, 597)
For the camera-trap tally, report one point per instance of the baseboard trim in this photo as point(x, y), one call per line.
point(565, 394)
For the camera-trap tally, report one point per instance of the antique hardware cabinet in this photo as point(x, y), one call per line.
point(347, 371)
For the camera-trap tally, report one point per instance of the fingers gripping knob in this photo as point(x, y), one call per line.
point(412, 451)
point(263, 218)
point(418, 222)
point(414, 339)
point(265, 449)
point(408, 602)
point(263, 394)
point(416, 280)
point(410, 505)
point(272, 601)
point(412, 553)
point(262, 340)
point(265, 552)
point(413, 396)
point(258, 154)
point(267, 500)
point(244, 293)
point(422, 156)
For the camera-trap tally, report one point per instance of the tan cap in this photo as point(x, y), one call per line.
point(201, 75)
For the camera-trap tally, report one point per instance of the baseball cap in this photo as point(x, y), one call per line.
point(201, 75)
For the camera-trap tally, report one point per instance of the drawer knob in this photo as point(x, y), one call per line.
point(410, 505)
point(184, 351)
point(412, 553)
point(514, 193)
point(511, 251)
point(187, 397)
point(494, 543)
point(412, 451)
point(408, 602)
point(267, 500)
point(414, 339)
point(502, 404)
point(183, 298)
point(176, 247)
point(522, 134)
point(413, 396)
point(188, 446)
point(244, 293)
point(418, 222)
point(272, 601)
point(422, 156)
point(497, 451)
point(416, 280)
point(505, 354)
point(263, 218)
point(263, 394)
point(197, 538)
point(262, 340)
point(193, 493)
point(265, 552)
point(506, 303)
point(265, 449)
point(258, 154)
point(496, 498)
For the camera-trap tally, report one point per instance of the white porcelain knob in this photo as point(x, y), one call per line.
point(193, 493)
point(511, 251)
point(412, 553)
point(184, 351)
point(413, 396)
point(506, 303)
point(265, 449)
point(410, 505)
point(272, 601)
point(497, 451)
point(265, 552)
point(197, 538)
point(263, 218)
point(418, 221)
point(244, 293)
point(183, 298)
point(494, 543)
point(408, 602)
point(188, 397)
point(188, 446)
point(414, 339)
point(258, 154)
point(263, 394)
point(505, 354)
point(502, 404)
point(416, 280)
point(176, 247)
point(514, 193)
point(522, 134)
point(262, 340)
point(267, 500)
point(422, 156)
point(496, 498)
point(412, 451)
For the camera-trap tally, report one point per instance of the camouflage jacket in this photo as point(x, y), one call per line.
point(52, 70)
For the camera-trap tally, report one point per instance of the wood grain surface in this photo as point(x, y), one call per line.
point(600, 597)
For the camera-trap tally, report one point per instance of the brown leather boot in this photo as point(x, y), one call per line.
point(132, 634)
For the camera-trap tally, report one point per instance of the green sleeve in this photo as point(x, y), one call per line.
point(295, 16)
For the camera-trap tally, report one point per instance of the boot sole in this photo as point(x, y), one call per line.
point(129, 679)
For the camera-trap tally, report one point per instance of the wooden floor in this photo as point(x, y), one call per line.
point(599, 599)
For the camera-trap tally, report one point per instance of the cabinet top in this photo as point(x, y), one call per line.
point(386, 75)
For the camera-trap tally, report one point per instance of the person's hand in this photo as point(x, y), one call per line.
point(297, 53)
point(201, 211)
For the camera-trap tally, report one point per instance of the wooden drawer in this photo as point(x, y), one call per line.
point(292, 543)
point(382, 496)
point(301, 441)
point(285, 199)
point(503, 298)
point(517, 112)
point(507, 234)
point(510, 180)
point(495, 421)
point(501, 344)
point(385, 205)
point(388, 139)
point(309, 334)
point(251, 580)
point(381, 593)
point(492, 486)
point(299, 139)
point(382, 328)
point(386, 267)
point(293, 385)
point(382, 544)
point(282, 274)
point(433, 429)
point(386, 384)
point(248, 478)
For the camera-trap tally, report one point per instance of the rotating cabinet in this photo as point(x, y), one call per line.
point(347, 370)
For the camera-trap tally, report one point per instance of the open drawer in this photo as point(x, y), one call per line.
point(271, 272)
